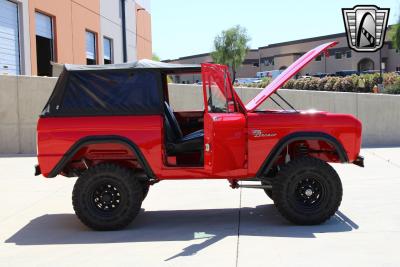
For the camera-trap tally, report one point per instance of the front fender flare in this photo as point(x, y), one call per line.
point(278, 148)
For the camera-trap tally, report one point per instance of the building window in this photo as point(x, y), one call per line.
point(108, 50)
point(348, 54)
point(318, 58)
point(397, 68)
point(9, 38)
point(268, 61)
point(338, 55)
point(44, 44)
point(91, 55)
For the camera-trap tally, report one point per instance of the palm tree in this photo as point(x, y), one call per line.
point(231, 48)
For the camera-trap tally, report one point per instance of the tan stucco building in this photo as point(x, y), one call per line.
point(281, 55)
point(341, 57)
point(34, 33)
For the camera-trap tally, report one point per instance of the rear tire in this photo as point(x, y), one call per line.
point(307, 191)
point(107, 197)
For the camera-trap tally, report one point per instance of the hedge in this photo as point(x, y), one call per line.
point(355, 83)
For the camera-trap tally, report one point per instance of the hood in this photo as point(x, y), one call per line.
point(286, 75)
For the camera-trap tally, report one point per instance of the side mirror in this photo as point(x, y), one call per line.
point(231, 106)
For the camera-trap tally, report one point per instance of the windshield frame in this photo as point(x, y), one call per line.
point(220, 76)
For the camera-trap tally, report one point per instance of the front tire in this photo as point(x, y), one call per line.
point(145, 189)
point(107, 197)
point(307, 191)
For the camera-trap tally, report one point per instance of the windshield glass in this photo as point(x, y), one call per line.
point(218, 88)
point(216, 100)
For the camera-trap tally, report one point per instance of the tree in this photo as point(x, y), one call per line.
point(394, 35)
point(231, 48)
point(155, 57)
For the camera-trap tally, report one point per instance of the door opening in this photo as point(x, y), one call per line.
point(183, 127)
point(44, 44)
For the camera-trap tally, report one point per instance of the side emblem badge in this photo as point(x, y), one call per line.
point(259, 133)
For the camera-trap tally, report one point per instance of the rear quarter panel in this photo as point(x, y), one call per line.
point(55, 136)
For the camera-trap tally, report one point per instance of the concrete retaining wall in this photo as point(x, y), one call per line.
point(23, 97)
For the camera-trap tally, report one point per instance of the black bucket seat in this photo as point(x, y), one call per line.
point(176, 141)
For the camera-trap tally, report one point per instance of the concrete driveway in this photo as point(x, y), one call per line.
point(202, 223)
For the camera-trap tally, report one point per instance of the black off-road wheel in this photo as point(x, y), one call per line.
point(145, 188)
point(270, 176)
point(307, 191)
point(107, 197)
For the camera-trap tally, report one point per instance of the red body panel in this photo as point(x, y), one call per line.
point(226, 134)
point(57, 135)
point(278, 124)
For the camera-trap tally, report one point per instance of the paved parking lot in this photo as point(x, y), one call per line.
point(202, 223)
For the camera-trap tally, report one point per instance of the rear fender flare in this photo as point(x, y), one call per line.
point(101, 139)
point(278, 148)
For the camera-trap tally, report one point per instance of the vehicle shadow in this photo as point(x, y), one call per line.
point(176, 225)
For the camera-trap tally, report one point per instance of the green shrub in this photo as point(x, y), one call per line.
point(347, 84)
point(337, 86)
point(390, 78)
point(299, 84)
point(265, 82)
point(289, 84)
point(393, 88)
point(266, 79)
point(360, 84)
point(315, 83)
point(329, 85)
point(321, 83)
point(355, 83)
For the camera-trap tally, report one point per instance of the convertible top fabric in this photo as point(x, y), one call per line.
point(120, 89)
point(140, 64)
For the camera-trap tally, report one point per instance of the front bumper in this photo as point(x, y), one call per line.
point(359, 161)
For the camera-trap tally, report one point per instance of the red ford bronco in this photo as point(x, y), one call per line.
point(113, 127)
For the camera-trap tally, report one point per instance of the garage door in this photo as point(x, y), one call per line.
point(9, 43)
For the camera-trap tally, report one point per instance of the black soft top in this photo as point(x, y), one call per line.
point(134, 88)
point(140, 64)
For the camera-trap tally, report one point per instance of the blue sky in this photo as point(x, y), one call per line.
point(186, 27)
